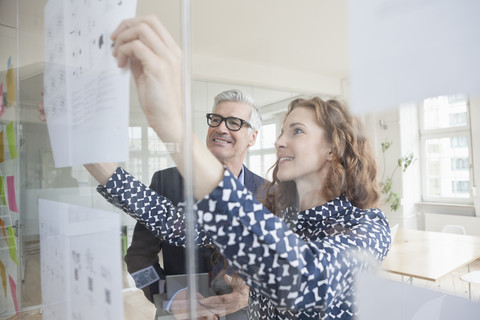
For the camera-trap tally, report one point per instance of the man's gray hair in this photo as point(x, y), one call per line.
point(235, 95)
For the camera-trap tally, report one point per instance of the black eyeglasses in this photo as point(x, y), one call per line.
point(232, 123)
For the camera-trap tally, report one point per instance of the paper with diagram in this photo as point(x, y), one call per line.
point(86, 96)
point(80, 262)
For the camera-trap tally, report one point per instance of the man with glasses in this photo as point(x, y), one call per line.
point(229, 136)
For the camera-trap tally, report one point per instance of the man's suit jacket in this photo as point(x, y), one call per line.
point(145, 246)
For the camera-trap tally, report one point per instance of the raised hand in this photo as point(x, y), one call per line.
point(156, 65)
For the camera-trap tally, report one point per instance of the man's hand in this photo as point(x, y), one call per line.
point(180, 308)
point(231, 302)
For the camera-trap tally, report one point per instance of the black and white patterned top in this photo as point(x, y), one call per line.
point(299, 267)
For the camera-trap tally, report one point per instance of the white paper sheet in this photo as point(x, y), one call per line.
point(404, 51)
point(86, 96)
point(80, 262)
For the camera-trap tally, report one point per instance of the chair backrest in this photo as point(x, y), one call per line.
point(393, 232)
point(453, 228)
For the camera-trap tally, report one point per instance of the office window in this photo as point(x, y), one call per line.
point(147, 153)
point(262, 155)
point(135, 138)
point(446, 149)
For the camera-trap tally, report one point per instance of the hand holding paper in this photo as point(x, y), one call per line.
point(156, 65)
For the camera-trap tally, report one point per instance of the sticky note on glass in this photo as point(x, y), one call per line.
point(3, 202)
point(12, 147)
point(2, 106)
point(4, 277)
point(2, 226)
point(12, 248)
point(13, 288)
point(10, 79)
point(12, 199)
point(2, 147)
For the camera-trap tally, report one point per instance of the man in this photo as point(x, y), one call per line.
point(229, 137)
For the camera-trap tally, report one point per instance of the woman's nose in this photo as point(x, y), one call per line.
point(280, 142)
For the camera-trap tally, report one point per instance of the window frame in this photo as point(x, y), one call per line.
point(262, 151)
point(426, 134)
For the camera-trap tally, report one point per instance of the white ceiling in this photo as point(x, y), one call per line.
point(306, 35)
point(304, 40)
point(297, 46)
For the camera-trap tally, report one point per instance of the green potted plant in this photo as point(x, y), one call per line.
point(391, 197)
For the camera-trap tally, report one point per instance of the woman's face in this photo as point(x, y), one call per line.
point(303, 152)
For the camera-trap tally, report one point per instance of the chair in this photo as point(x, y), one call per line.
point(471, 277)
point(454, 228)
point(393, 232)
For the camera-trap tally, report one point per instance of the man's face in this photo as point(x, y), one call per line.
point(229, 146)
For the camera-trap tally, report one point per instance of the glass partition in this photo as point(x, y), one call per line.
point(58, 231)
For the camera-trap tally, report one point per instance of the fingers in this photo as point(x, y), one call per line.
point(228, 279)
point(181, 305)
point(153, 22)
point(150, 32)
point(136, 50)
point(41, 110)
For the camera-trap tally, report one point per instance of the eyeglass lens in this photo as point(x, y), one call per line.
point(232, 123)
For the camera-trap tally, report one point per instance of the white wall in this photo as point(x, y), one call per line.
point(475, 125)
point(435, 222)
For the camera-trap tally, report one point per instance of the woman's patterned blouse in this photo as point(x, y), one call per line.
point(299, 267)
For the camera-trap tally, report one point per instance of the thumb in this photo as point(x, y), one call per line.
point(228, 279)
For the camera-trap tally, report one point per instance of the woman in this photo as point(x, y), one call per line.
point(299, 261)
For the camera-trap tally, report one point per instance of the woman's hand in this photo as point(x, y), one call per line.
point(156, 65)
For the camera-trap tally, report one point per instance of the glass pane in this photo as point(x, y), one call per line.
point(255, 163)
point(135, 138)
point(268, 161)
point(155, 145)
point(447, 167)
point(445, 112)
point(266, 137)
point(269, 135)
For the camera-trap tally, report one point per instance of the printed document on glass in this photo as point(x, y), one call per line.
point(80, 262)
point(404, 51)
point(86, 96)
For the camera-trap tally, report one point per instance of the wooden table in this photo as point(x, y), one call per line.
point(430, 255)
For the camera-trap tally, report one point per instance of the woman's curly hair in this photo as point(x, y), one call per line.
point(353, 168)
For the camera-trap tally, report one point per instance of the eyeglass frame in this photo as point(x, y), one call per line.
point(243, 122)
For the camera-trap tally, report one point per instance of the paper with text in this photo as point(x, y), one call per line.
point(80, 262)
point(86, 96)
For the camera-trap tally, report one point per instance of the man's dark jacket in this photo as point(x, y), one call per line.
point(145, 247)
